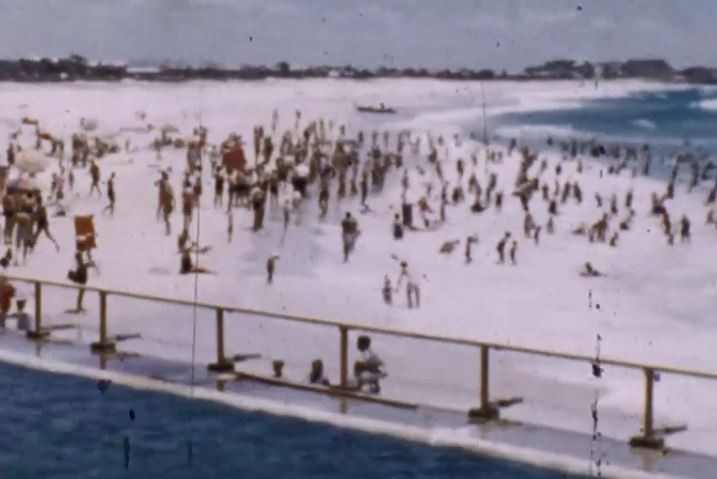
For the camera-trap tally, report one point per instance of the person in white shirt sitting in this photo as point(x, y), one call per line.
point(370, 369)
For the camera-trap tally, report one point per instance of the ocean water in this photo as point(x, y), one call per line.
point(58, 426)
point(669, 119)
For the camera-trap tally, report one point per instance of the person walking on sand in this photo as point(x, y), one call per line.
point(364, 187)
point(162, 185)
point(257, 201)
point(513, 251)
point(197, 190)
point(218, 188)
point(23, 235)
point(387, 291)
point(9, 203)
point(397, 227)
point(187, 204)
point(413, 292)
point(349, 233)
point(684, 229)
point(95, 177)
point(111, 195)
point(167, 207)
point(79, 276)
point(270, 268)
point(230, 226)
point(323, 202)
point(469, 244)
point(500, 247)
point(286, 209)
point(43, 225)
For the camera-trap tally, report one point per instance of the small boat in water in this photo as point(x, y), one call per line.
point(372, 109)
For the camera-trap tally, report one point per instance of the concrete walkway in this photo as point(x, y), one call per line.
point(564, 449)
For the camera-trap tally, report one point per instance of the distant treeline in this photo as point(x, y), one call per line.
point(77, 67)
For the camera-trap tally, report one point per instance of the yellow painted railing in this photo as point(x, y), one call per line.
point(488, 410)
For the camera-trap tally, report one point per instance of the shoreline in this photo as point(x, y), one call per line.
point(187, 80)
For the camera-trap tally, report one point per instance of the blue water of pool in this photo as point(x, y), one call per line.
point(59, 426)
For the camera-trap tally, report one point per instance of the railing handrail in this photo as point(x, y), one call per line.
point(377, 330)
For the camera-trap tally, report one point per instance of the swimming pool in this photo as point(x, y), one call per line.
point(58, 426)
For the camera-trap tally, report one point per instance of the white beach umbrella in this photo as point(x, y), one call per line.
point(301, 170)
point(32, 161)
point(22, 185)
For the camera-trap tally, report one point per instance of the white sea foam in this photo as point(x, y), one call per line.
point(710, 104)
point(645, 123)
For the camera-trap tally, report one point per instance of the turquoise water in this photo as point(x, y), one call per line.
point(667, 119)
point(57, 426)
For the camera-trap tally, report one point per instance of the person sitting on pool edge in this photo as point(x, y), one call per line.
point(370, 369)
point(21, 316)
point(316, 375)
point(186, 266)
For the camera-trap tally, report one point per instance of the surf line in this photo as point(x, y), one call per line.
point(441, 437)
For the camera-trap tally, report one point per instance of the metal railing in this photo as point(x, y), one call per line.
point(488, 409)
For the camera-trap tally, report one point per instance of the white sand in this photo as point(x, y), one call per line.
point(656, 305)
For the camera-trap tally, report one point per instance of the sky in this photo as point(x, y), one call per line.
point(497, 34)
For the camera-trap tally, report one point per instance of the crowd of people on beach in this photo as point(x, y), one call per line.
point(322, 163)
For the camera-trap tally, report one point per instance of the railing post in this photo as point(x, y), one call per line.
point(344, 360)
point(487, 411)
point(38, 332)
point(649, 389)
point(222, 364)
point(104, 345)
point(648, 439)
point(484, 377)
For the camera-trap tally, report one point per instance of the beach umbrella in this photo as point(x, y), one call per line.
point(21, 185)
point(32, 161)
point(301, 170)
